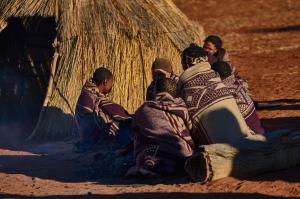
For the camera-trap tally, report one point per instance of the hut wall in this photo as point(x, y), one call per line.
point(123, 35)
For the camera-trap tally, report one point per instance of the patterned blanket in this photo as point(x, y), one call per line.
point(111, 113)
point(92, 102)
point(162, 140)
point(215, 115)
point(244, 102)
point(87, 99)
point(239, 92)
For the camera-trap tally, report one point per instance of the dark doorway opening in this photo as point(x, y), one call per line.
point(25, 58)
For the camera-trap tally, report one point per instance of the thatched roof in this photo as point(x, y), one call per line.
point(19, 8)
point(123, 35)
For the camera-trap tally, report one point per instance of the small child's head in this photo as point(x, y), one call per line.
point(103, 79)
point(223, 68)
point(161, 67)
point(166, 85)
point(212, 44)
point(193, 55)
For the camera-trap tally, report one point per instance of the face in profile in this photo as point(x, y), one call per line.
point(107, 85)
point(210, 47)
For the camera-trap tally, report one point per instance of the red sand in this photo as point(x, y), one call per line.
point(262, 37)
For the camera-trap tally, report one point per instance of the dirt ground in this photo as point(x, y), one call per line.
point(263, 39)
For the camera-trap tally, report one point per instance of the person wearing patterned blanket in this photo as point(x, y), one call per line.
point(215, 52)
point(99, 117)
point(240, 93)
point(213, 46)
point(213, 110)
point(161, 133)
point(161, 67)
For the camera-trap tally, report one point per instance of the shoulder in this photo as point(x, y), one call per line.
point(223, 55)
point(150, 91)
point(86, 97)
point(211, 59)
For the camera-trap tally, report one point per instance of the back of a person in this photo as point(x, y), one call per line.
point(161, 133)
point(154, 126)
point(239, 92)
point(237, 87)
point(84, 111)
point(87, 99)
point(213, 110)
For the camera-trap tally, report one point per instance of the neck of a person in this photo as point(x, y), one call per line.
point(203, 66)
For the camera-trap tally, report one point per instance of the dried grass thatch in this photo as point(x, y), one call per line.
point(123, 35)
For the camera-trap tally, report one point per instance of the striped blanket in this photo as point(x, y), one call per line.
point(92, 103)
point(111, 113)
point(162, 140)
point(213, 110)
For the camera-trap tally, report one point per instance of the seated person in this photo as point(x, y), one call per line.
point(213, 46)
point(98, 117)
point(240, 93)
point(212, 108)
point(162, 141)
point(161, 67)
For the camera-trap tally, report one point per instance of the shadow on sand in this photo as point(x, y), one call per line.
point(156, 195)
point(275, 29)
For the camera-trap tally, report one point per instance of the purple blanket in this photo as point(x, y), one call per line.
point(92, 101)
point(161, 130)
point(244, 102)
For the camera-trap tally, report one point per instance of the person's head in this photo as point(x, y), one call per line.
point(166, 85)
point(193, 55)
point(212, 44)
point(103, 79)
point(161, 67)
point(223, 68)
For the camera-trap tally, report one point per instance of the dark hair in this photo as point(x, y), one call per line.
point(223, 68)
point(194, 51)
point(101, 74)
point(215, 40)
point(166, 85)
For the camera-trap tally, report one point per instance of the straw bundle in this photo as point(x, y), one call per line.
point(123, 35)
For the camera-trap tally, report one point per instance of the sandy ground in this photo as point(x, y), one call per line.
point(262, 37)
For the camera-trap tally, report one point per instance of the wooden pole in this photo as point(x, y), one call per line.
point(252, 156)
point(50, 86)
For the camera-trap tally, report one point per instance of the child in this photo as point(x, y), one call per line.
point(213, 45)
point(161, 127)
point(98, 117)
point(161, 67)
point(240, 93)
